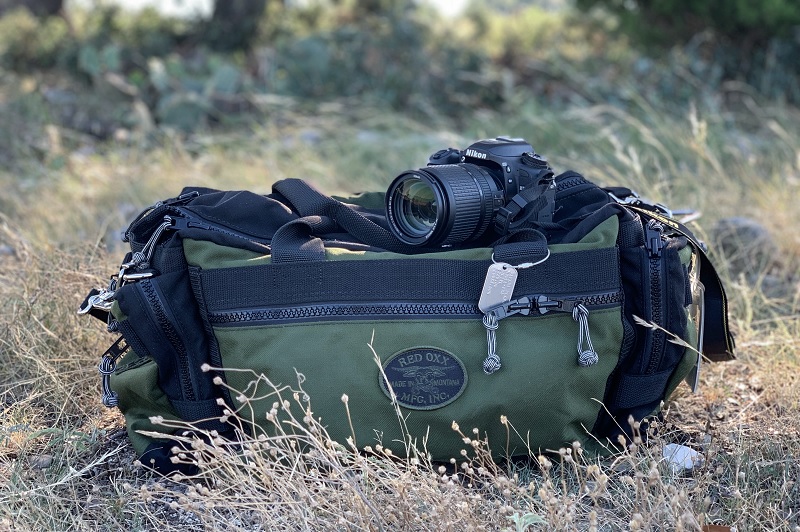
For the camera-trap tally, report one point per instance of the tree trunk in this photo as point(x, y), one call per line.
point(234, 24)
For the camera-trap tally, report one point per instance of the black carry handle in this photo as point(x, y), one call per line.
point(295, 241)
point(718, 342)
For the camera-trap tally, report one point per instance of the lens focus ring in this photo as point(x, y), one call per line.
point(471, 191)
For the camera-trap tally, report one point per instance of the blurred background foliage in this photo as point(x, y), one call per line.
point(100, 71)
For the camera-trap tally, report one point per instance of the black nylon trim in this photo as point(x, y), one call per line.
point(204, 414)
point(577, 272)
point(128, 332)
point(214, 355)
point(637, 390)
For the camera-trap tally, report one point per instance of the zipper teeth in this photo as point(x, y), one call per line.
point(656, 315)
point(345, 310)
point(657, 311)
point(204, 224)
point(208, 227)
point(570, 182)
point(172, 337)
point(602, 299)
point(375, 309)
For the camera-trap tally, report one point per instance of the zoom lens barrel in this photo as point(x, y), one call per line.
point(442, 205)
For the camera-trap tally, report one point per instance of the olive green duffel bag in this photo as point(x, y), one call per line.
point(556, 331)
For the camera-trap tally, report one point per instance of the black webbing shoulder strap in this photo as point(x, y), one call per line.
point(718, 343)
point(298, 240)
point(320, 213)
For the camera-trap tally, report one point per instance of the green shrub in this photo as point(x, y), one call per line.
point(753, 42)
point(27, 43)
point(746, 22)
point(389, 58)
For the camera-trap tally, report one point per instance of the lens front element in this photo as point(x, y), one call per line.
point(416, 206)
point(442, 205)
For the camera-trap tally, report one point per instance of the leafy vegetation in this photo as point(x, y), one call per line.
point(739, 41)
point(84, 148)
point(679, 20)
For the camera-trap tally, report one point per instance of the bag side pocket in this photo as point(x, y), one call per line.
point(162, 321)
point(140, 398)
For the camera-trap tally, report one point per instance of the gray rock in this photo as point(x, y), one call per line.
point(41, 461)
point(746, 246)
point(310, 136)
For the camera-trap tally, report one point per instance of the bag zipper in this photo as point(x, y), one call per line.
point(264, 316)
point(654, 245)
point(160, 312)
point(569, 182)
point(396, 309)
point(186, 220)
point(164, 205)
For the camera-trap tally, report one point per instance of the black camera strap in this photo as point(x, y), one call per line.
point(317, 212)
point(531, 207)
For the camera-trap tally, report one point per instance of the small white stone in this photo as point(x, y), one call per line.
point(681, 458)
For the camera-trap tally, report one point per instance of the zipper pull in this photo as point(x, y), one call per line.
point(586, 357)
point(545, 304)
point(498, 286)
point(653, 232)
point(179, 200)
point(491, 321)
point(141, 259)
point(108, 363)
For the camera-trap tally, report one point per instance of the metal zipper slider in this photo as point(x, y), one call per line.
point(178, 200)
point(653, 232)
point(172, 202)
point(545, 304)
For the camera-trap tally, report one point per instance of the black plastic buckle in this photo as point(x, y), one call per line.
point(506, 215)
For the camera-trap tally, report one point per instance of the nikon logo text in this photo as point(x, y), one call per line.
point(476, 154)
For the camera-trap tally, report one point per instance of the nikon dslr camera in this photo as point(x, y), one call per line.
point(462, 193)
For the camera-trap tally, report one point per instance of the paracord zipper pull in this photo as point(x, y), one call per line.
point(492, 361)
point(141, 259)
point(495, 303)
point(108, 363)
point(491, 320)
point(586, 357)
point(498, 286)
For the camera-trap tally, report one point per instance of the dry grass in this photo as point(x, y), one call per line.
point(66, 464)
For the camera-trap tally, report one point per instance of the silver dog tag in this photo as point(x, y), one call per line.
point(498, 287)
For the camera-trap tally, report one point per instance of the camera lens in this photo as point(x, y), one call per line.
point(416, 207)
point(442, 204)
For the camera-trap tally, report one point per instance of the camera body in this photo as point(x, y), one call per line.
point(459, 195)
